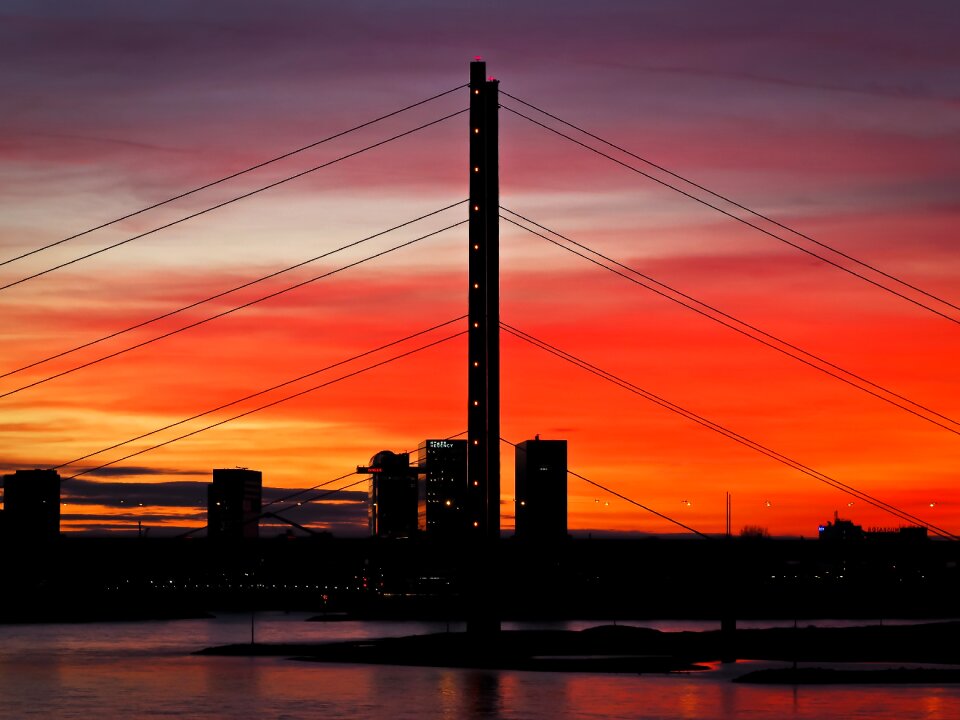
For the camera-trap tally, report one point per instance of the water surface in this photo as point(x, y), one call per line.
point(145, 670)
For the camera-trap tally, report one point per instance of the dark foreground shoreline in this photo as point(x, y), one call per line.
point(626, 649)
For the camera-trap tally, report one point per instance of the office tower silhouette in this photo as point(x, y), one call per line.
point(441, 485)
point(234, 499)
point(392, 509)
point(31, 505)
point(541, 490)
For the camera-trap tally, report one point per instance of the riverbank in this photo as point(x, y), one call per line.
point(611, 648)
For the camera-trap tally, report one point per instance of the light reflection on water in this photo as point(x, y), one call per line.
point(145, 670)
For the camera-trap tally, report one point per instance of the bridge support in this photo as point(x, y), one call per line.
point(483, 369)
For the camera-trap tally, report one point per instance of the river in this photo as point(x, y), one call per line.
point(146, 670)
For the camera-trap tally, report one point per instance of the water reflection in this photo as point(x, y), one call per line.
point(244, 675)
point(483, 688)
point(448, 695)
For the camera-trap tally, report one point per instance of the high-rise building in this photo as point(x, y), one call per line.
point(441, 485)
point(234, 499)
point(31, 504)
point(541, 488)
point(392, 510)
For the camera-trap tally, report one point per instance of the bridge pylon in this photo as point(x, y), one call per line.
point(483, 355)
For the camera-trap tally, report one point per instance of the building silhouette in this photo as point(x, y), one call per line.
point(234, 499)
point(541, 490)
point(31, 505)
point(908, 534)
point(441, 485)
point(841, 530)
point(392, 491)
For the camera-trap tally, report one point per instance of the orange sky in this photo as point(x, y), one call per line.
point(845, 128)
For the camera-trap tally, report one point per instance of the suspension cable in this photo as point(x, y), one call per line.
point(737, 218)
point(726, 199)
point(212, 183)
point(747, 333)
point(227, 312)
point(621, 496)
point(268, 405)
point(228, 202)
point(219, 295)
point(260, 392)
point(716, 427)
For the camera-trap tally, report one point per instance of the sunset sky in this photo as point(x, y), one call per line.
point(840, 120)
